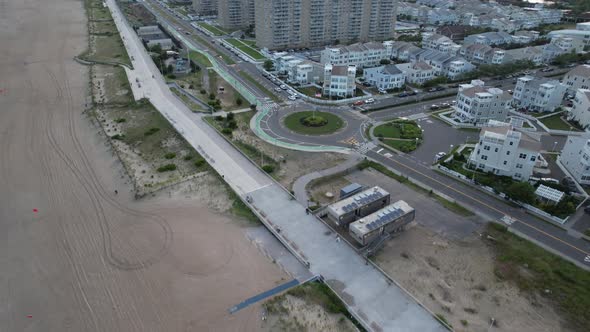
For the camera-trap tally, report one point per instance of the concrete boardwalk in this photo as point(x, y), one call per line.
point(378, 304)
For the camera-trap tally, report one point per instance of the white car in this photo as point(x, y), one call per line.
point(283, 86)
point(370, 101)
point(439, 156)
point(278, 89)
point(291, 97)
point(382, 91)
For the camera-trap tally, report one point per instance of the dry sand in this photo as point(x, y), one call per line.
point(90, 260)
point(456, 279)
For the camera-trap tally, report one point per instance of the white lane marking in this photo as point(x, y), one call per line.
point(379, 151)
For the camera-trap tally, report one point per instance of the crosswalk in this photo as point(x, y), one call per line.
point(366, 147)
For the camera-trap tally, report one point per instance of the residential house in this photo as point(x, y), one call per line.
point(339, 81)
point(483, 54)
point(360, 55)
point(489, 38)
point(446, 64)
point(433, 41)
point(385, 77)
point(525, 36)
point(454, 32)
point(152, 35)
point(577, 78)
point(504, 151)
point(417, 72)
point(575, 157)
point(538, 94)
point(580, 36)
point(530, 53)
point(306, 72)
point(478, 104)
point(580, 111)
point(403, 51)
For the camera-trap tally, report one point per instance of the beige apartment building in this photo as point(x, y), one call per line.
point(282, 24)
point(205, 7)
point(235, 14)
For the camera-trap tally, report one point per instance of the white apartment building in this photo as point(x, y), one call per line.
point(418, 72)
point(385, 77)
point(575, 157)
point(577, 78)
point(360, 55)
point(538, 94)
point(505, 151)
point(580, 35)
point(235, 14)
point(478, 104)
point(580, 111)
point(339, 81)
point(284, 24)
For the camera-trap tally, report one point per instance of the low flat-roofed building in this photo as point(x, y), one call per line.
point(357, 206)
point(390, 219)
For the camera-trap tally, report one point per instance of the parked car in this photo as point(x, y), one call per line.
point(370, 101)
point(587, 209)
point(358, 103)
point(366, 84)
point(440, 88)
point(434, 107)
point(432, 90)
point(278, 89)
point(291, 97)
point(283, 86)
point(413, 93)
point(402, 95)
point(439, 156)
point(382, 91)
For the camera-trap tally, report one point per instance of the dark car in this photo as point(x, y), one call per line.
point(440, 88)
point(432, 90)
point(587, 209)
point(413, 93)
point(402, 95)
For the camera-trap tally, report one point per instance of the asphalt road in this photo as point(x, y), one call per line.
point(545, 234)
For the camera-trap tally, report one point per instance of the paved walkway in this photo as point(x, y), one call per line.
point(372, 298)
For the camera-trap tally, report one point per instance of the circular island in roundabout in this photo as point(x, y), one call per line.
point(313, 123)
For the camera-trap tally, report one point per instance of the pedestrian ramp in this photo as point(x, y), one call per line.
point(263, 295)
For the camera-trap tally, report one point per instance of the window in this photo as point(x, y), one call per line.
point(511, 143)
point(496, 150)
point(533, 158)
point(518, 165)
point(522, 156)
point(517, 175)
point(507, 153)
point(484, 157)
point(486, 147)
point(505, 162)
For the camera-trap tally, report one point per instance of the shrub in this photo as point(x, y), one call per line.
point(218, 118)
point(203, 91)
point(230, 116)
point(187, 157)
point(232, 124)
point(239, 101)
point(120, 120)
point(521, 191)
point(200, 162)
point(170, 155)
point(268, 168)
point(167, 168)
point(212, 96)
point(151, 131)
point(226, 131)
point(118, 136)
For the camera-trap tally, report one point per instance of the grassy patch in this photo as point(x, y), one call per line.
point(404, 146)
point(294, 123)
point(106, 45)
point(213, 29)
point(555, 122)
point(189, 102)
point(200, 59)
point(254, 54)
point(534, 269)
point(311, 91)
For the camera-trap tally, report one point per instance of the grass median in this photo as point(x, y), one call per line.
point(254, 54)
point(313, 123)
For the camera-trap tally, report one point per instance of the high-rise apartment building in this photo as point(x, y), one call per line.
point(235, 14)
point(284, 24)
point(205, 7)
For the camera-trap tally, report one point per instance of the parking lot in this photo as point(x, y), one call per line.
point(439, 137)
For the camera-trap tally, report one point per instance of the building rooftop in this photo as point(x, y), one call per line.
point(549, 193)
point(391, 70)
point(355, 201)
point(381, 217)
point(581, 70)
point(340, 70)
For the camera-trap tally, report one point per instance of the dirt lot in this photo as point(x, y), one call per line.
point(456, 280)
point(137, 14)
point(289, 164)
point(77, 257)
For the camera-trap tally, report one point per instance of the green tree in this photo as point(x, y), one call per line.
point(268, 65)
point(385, 61)
point(521, 191)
